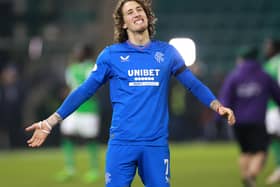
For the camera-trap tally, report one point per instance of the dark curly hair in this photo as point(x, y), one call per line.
point(120, 34)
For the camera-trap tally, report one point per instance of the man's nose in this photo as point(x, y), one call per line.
point(136, 14)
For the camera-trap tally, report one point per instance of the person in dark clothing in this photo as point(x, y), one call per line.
point(11, 98)
point(247, 90)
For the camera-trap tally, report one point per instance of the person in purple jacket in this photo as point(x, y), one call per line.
point(247, 90)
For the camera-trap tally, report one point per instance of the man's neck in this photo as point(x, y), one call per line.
point(139, 39)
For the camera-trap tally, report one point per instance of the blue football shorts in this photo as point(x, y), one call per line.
point(152, 162)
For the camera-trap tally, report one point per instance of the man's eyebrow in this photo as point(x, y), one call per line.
point(129, 10)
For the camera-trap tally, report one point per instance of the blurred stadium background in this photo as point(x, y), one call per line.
point(37, 37)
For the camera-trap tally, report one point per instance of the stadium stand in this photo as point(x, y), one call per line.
point(218, 27)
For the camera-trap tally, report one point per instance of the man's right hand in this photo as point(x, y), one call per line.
point(41, 131)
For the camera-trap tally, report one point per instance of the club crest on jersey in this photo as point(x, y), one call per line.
point(159, 57)
point(124, 59)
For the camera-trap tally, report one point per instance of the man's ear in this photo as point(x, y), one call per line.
point(124, 26)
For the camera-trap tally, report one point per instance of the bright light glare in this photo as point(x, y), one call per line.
point(186, 47)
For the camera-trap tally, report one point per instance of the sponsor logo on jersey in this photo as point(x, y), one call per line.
point(143, 84)
point(124, 59)
point(143, 72)
point(143, 77)
point(159, 56)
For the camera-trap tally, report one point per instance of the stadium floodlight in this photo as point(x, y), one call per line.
point(186, 47)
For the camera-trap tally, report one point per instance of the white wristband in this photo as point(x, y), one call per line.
point(48, 125)
point(44, 130)
point(40, 124)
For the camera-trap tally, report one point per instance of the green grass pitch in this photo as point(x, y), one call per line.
point(192, 165)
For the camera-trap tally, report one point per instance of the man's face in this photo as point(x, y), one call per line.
point(134, 16)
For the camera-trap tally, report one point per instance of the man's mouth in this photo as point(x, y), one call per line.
point(138, 22)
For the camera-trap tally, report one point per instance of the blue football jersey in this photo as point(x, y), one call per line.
point(139, 82)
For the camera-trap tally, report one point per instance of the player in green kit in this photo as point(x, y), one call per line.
point(84, 122)
point(272, 67)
